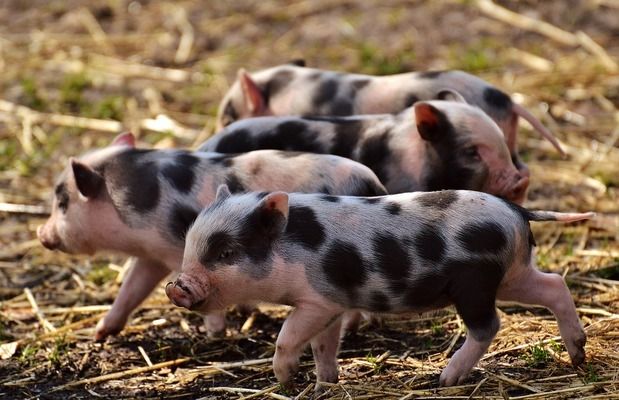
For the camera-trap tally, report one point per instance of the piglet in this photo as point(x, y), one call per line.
point(140, 202)
point(412, 252)
point(296, 90)
point(432, 145)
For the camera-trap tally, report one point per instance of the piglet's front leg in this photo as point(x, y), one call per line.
point(303, 323)
point(325, 346)
point(142, 278)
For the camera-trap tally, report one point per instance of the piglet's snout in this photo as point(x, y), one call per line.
point(48, 241)
point(179, 294)
point(519, 190)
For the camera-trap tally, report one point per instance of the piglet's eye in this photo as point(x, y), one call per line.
point(472, 153)
point(225, 254)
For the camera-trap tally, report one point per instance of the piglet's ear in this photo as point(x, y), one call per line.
point(451, 95)
point(299, 62)
point(254, 100)
point(88, 181)
point(432, 124)
point(124, 139)
point(273, 213)
point(222, 193)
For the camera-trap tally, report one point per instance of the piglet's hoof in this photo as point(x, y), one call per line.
point(579, 356)
point(215, 325)
point(451, 377)
point(105, 329)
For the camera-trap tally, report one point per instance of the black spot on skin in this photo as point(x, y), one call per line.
point(393, 208)
point(495, 98)
point(428, 290)
point(526, 217)
point(136, 178)
point(371, 200)
point(429, 243)
point(441, 200)
point(347, 133)
point(341, 106)
point(359, 84)
point(180, 173)
point(180, 219)
point(325, 92)
point(234, 184)
point(430, 74)
point(410, 100)
point(379, 302)
point(451, 170)
point(368, 188)
point(472, 287)
point(234, 141)
point(392, 260)
point(216, 244)
point(303, 227)
point(278, 81)
point(225, 160)
point(343, 267)
point(62, 196)
point(329, 198)
point(483, 237)
point(375, 153)
point(294, 135)
point(260, 228)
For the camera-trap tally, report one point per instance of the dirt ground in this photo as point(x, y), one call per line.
point(160, 69)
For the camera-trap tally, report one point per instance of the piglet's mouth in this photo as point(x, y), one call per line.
point(197, 306)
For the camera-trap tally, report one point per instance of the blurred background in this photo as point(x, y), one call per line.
point(76, 73)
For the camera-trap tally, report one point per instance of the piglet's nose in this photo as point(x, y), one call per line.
point(178, 294)
point(47, 241)
point(518, 192)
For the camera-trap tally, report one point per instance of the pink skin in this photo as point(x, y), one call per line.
point(92, 224)
point(525, 284)
point(318, 321)
point(381, 95)
point(202, 291)
point(503, 180)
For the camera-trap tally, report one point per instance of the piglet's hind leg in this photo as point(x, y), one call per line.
point(549, 290)
point(473, 291)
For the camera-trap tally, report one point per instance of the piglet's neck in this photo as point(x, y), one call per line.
point(111, 233)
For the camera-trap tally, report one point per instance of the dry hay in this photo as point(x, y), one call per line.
point(75, 73)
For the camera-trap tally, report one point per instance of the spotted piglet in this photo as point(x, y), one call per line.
point(140, 202)
point(297, 90)
point(411, 252)
point(433, 145)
